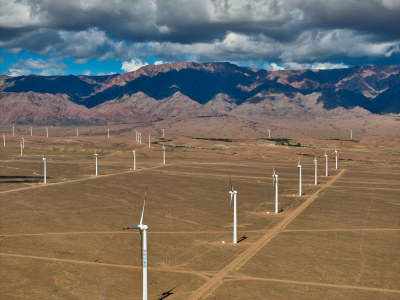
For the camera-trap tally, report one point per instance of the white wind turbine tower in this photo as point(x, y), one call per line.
point(22, 149)
point(315, 170)
point(149, 141)
point(23, 143)
point(351, 134)
point(4, 140)
point(269, 133)
point(163, 131)
point(108, 133)
point(31, 130)
point(143, 243)
point(336, 157)
point(140, 138)
point(13, 130)
point(136, 135)
point(275, 183)
point(233, 195)
point(77, 131)
point(44, 166)
point(134, 159)
point(299, 166)
point(95, 157)
point(326, 164)
point(47, 131)
point(163, 151)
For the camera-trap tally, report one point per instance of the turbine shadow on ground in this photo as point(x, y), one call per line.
point(21, 179)
point(242, 238)
point(166, 294)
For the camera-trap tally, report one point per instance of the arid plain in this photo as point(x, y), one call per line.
point(339, 240)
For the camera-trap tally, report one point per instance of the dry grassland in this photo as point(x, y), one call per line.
point(340, 240)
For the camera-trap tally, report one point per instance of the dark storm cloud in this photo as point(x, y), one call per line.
point(257, 30)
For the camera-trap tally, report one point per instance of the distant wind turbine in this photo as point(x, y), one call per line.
point(134, 159)
point(163, 131)
point(149, 141)
point(233, 195)
point(47, 131)
point(95, 157)
point(23, 143)
point(13, 131)
point(269, 133)
point(163, 151)
point(108, 133)
point(351, 134)
point(336, 158)
point(22, 149)
point(275, 183)
point(143, 243)
point(4, 140)
point(315, 170)
point(299, 166)
point(326, 164)
point(77, 131)
point(44, 166)
point(31, 130)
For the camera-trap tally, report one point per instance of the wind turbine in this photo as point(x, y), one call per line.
point(149, 141)
point(95, 157)
point(23, 143)
point(299, 166)
point(275, 183)
point(326, 164)
point(77, 131)
point(140, 138)
point(233, 195)
point(4, 140)
point(134, 159)
point(108, 133)
point(163, 151)
point(31, 130)
point(47, 131)
point(315, 169)
point(136, 136)
point(351, 134)
point(269, 133)
point(143, 242)
point(44, 164)
point(336, 157)
point(163, 131)
point(13, 130)
point(22, 149)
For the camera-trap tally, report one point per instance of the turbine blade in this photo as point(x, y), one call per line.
point(230, 202)
point(131, 227)
point(144, 204)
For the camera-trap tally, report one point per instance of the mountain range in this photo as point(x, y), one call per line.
point(199, 90)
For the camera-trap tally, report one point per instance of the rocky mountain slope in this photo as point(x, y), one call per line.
point(193, 90)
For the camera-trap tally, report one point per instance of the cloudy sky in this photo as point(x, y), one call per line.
point(96, 37)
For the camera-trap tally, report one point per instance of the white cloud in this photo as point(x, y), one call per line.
point(37, 66)
point(132, 65)
point(158, 62)
point(87, 72)
point(316, 66)
point(273, 67)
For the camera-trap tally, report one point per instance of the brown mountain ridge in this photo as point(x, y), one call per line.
point(199, 89)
